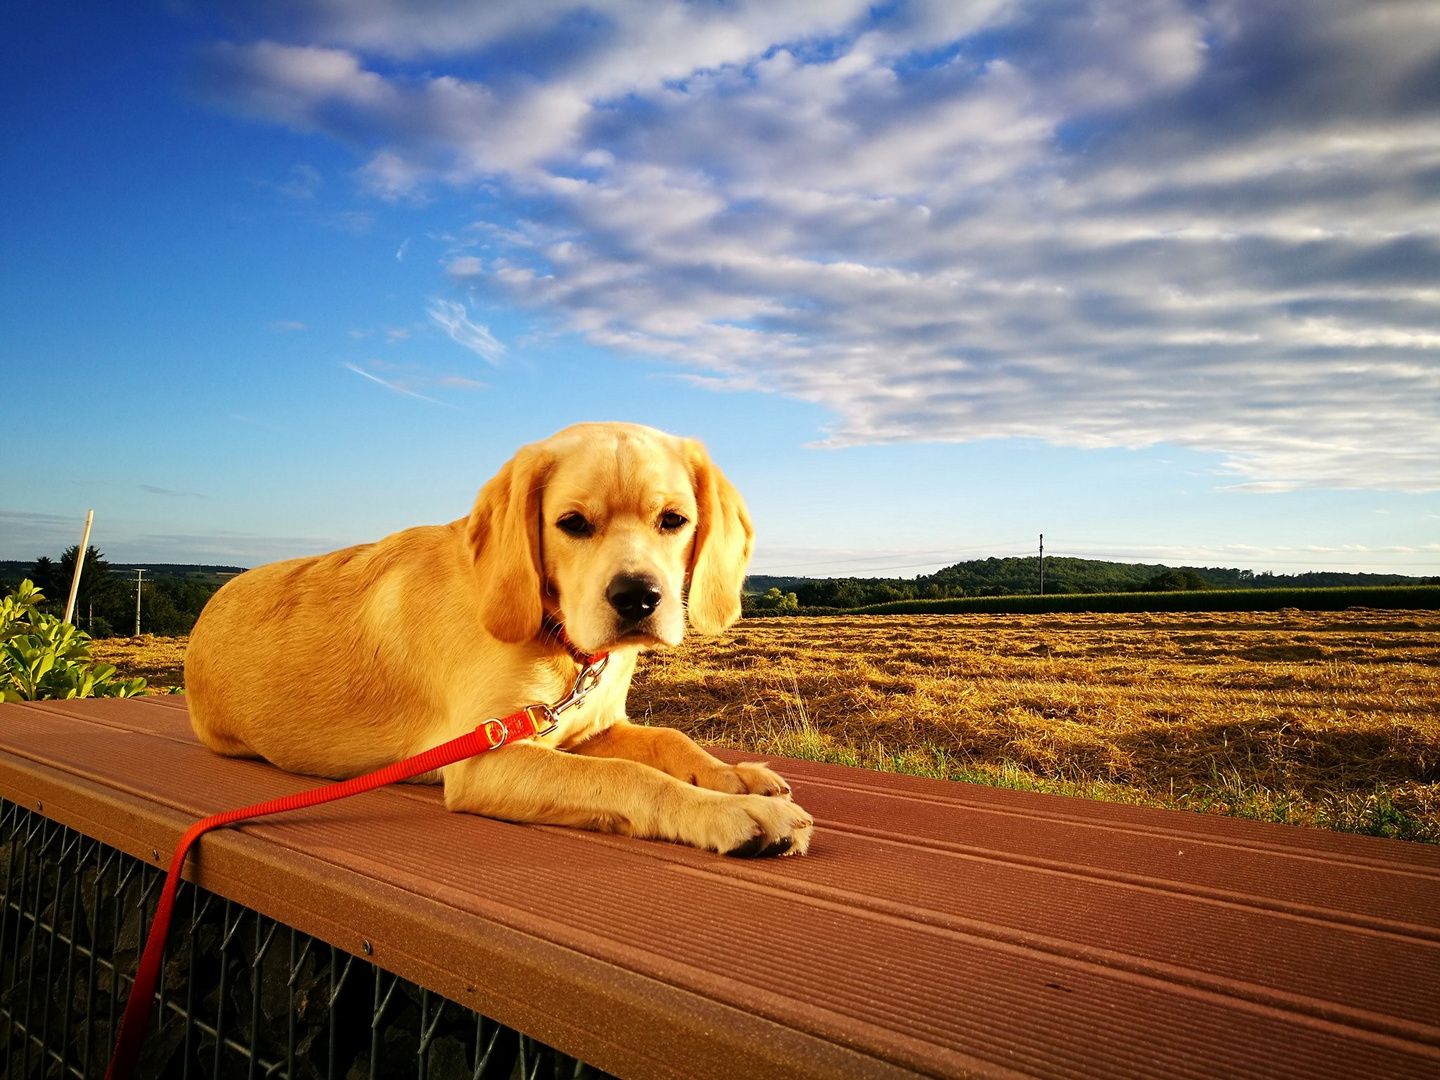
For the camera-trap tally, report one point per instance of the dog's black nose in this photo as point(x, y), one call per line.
point(633, 597)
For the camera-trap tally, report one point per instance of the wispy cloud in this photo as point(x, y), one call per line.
point(302, 183)
point(1101, 223)
point(357, 222)
point(285, 325)
point(458, 382)
point(404, 378)
point(239, 549)
point(1418, 560)
point(171, 492)
point(28, 535)
point(397, 387)
point(451, 317)
point(252, 421)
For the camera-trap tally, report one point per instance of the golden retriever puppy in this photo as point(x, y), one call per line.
point(343, 663)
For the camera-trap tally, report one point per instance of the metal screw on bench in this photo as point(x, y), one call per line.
point(367, 947)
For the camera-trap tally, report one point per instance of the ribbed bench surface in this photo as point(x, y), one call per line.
point(935, 929)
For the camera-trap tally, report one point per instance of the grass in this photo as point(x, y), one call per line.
point(1328, 720)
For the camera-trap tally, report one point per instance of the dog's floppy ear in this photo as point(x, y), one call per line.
point(504, 534)
point(723, 537)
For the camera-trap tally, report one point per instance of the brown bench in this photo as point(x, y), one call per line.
point(936, 929)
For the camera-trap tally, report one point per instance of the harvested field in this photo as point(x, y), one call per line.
point(160, 660)
point(1329, 720)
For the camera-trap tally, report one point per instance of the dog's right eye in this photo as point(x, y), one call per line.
point(576, 525)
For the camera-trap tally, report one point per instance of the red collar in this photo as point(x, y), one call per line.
point(554, 629)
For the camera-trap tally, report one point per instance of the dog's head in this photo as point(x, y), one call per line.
point(615, 530)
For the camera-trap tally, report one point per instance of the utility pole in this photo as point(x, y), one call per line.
point(139, 576)
point(1042, 566)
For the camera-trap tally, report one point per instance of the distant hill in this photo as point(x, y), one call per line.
point(182, 569)
point(759, 583)
point(1021, 576)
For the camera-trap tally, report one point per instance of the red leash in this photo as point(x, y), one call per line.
point(491, 735)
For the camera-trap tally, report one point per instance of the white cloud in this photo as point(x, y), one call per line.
point(397, 387)
point(406, 378)
point(302, 183)
point(171, 493)
point(451, 317)
point(1101, 222)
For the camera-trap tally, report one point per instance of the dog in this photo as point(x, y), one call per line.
point(341, 664)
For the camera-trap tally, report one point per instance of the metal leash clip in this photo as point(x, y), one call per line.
point(585, 681)
point(545, 717)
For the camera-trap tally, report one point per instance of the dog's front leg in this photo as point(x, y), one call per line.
point(532, 783)
point(680, 756)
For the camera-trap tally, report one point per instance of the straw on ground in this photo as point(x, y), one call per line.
point(1329, 720)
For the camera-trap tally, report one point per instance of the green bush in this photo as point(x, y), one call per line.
point(775, 602)
point(43, 657)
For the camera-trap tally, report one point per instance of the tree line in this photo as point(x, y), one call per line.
point(170, 602)
point(1021, 577)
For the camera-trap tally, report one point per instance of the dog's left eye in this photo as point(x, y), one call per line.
point(671, 521)
point(576, 525)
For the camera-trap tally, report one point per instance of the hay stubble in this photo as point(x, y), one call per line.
point(1328, 720)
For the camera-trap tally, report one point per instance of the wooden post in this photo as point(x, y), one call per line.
point(79, 565)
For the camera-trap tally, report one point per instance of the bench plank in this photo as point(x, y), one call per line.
point(935, 929)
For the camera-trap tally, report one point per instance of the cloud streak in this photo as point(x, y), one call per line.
point(1099, 223)
point(394, 387)
point(451, 318)
point(406, 377)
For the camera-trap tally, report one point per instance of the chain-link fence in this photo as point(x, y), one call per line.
point(240, 995)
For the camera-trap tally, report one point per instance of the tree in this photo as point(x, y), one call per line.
point(1176, 581)
point(778, 602)
point(46, 576)
point(101, 592)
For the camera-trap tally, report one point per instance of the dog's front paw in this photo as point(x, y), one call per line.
point(748, 826)
point(760, 779)
point(747, 778)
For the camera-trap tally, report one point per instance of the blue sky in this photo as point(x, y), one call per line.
point(1155, 278)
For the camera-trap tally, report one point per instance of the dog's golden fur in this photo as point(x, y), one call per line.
point(343, 663)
